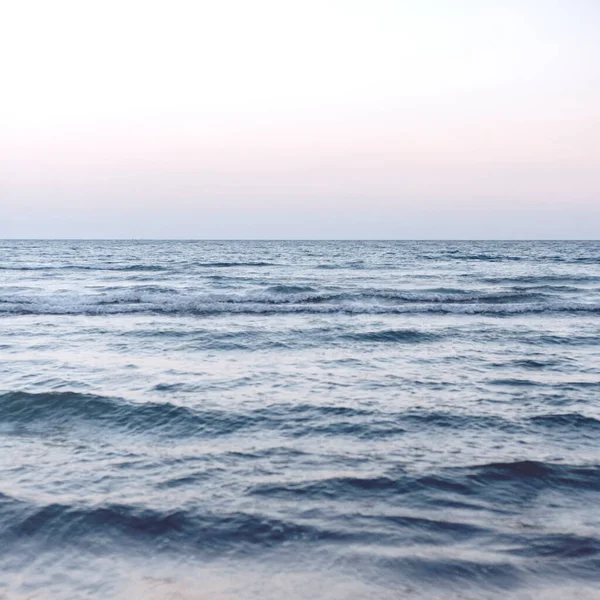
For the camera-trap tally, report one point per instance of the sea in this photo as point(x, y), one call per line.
point(290, 420)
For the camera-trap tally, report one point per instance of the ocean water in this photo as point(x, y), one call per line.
point(287, 420)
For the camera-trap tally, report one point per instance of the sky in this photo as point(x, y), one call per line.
point(273, 119)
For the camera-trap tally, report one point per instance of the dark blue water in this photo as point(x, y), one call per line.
point(294, 420)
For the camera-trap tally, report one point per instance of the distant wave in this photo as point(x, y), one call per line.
point(535, 473)
point(196, 305)
point(135, 266)
point(475, 257)
point(124, 268)
point(31, 411)
point(539, 279)
point(225, 264)
point(470, 481)
point(285, 298)
point(392, 335)
point(570, 421)
point(28, 412)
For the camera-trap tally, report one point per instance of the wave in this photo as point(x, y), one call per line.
point(504, 258)
point(514, 382)
point(455, 296)
point(392, 336)
point(101, 526)
point(575, 421)
point(290, 289)
point(476, 257)
point(30, 413)
point(136, 266)
point(534, 475)
point(287, 299)
point(389, 520)
point(26, 410)
point(197, 305)
point(182, 529)
point(493, 483)
point(227, 264)
point(358, 265)
point(451, 576)
point(531, 364)
point(123, 268)
point(33, 412)
point(563, 340)
point(371, 425)
point(166, 530)
point(539, 279)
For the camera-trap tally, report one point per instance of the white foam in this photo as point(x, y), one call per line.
point(131, 301)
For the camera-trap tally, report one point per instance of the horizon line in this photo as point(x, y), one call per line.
point(150, 239)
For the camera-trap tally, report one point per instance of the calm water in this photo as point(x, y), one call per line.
point(286, 420)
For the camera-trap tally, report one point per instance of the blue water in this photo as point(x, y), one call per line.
point(289, 420)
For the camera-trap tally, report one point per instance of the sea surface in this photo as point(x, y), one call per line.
point(299, 420)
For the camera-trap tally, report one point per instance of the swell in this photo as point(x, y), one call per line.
point(278, 294)
point(376, 510)
point(288, 298)
point(26, 410)
point(103, 525)
point(540, 279)
point(124, 268)
point(318, 304)
point(135, 267)
point(507, 478)
point(500, 485)
point(255, 339)
point(226, 264)
point(181, 530)
point(578, 423)
point(562, 340)
point(392, 336)
point(457, 296)
point(484, 257)
point(33, 413)
point(506, 258)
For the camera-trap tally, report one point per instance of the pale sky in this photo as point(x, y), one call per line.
point(300, 119)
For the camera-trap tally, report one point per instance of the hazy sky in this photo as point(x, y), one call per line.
point(300, 119)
